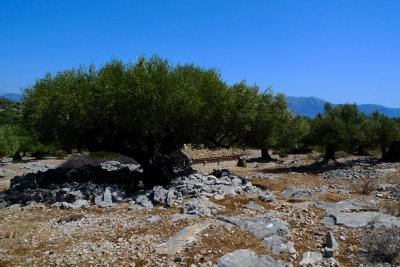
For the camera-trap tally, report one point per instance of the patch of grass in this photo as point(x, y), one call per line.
point(365, 186)
point(392, 207)
point(342, 154)
point(314, 156)
point(61, 156)
point(383, 244)
point(71, 218)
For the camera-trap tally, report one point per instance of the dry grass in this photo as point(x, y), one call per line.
point(392, 207)
point(383, 245)
point(365, 186)
point(314, 156)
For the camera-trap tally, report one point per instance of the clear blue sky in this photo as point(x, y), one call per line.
point(342, 51)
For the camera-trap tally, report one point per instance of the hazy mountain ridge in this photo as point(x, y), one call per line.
point(311, 106)
point(12, 96)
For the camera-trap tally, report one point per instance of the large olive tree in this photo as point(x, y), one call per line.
point(341, 125)
point(147, 110)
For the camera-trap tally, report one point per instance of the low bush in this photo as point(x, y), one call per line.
point(102, 154)
point(242, 163)
point(383, 244)
point(365, 186)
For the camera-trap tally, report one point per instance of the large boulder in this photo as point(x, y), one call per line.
point(246, 258)
point(296, 194)
point(361, 219)
point(260, 226)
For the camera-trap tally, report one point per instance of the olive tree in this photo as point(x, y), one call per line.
point(385, 131)
point(274, 126)
point(337, 126)
point(148, 110)
point(8, 142)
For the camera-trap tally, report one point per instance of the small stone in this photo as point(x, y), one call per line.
point(178, 260)
point(135, 207)
point(254, 206)
point(330, 241)
point(312, 258)
point(140, 255)
point(153, 219)
point(219, 196)
point(328, 253)
point(352, 248)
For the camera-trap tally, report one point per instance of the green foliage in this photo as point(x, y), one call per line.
point(383, 131)
point(149, 108)
point(8, 142)
point(341, 125)
point(61, 156)
point(102, 154)
point(242, 163)
point(10, 112)
point(273, 125)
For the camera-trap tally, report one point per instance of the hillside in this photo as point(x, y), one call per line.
point(9, 112)
point(311, 106)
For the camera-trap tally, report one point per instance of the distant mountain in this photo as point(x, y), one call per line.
point(11, 96)
point(311, 106)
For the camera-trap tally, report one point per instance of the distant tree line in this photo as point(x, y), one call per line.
point(149, 109)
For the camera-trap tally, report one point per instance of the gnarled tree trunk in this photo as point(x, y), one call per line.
point(330, 152)
point(393, 155)
point(265, 155)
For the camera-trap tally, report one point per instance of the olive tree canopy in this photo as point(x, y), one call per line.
point(147, 110)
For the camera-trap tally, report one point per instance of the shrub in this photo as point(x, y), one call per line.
point(365, 186)
point(8, 142)
point(102, 154)
point(242, 163)
point(383, 245)
point(61, 156)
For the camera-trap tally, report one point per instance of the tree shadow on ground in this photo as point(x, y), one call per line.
point(320, 167)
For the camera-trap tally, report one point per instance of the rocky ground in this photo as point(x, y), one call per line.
point(289, 212)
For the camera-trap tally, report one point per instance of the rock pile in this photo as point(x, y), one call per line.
point(112, 182)
point(349, 174)
point(217, 185)
point(71, 188)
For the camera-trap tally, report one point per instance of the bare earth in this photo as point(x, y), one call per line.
point(42, 236)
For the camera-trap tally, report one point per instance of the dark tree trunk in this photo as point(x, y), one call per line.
point(361, 151)
point(383, 151)
point(330, 152)
point(393, 155)
point(159, 166)
point(17, 157)
point(265, 155)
